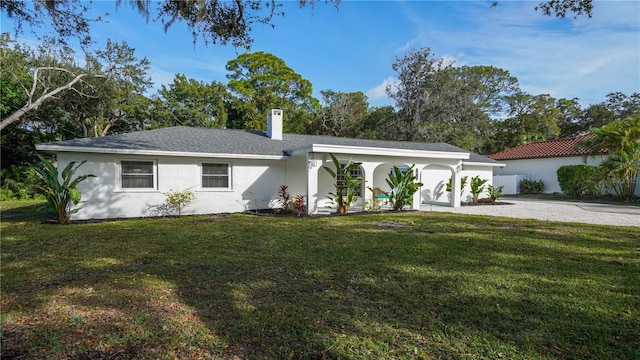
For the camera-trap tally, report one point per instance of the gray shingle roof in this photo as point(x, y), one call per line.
point(241, 142)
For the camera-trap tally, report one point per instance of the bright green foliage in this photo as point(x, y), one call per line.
point(179, 199)
point(188, 102)
point(347, 186)
point(61, 196)
point(621, 140)
point(531, 186)
point(477, 187)
point(579, 180)
point(18, 183)
point(262, 81)
point(495, 193)
point(403, 185)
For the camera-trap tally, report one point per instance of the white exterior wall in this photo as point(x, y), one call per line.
point(544, 169)
point(436, 177)
point(255, 184)
point(511, 183)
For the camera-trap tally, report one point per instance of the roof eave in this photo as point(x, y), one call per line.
point(95, 150)
point(364, 150)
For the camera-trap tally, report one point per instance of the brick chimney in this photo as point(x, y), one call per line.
point(274, 124)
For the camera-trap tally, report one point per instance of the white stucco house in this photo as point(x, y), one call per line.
point(238, 170)
point(540, 161)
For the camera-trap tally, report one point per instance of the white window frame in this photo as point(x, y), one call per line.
point(358, 171)
point(137, 189)
point(229, 175)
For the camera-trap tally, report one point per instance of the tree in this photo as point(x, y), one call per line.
point(40, 75)
point(380, 123)
point(61, 196)
point(215, 21)
point(621, 140)
point(560, 8)
point(617, 106)
point(439, 102)
point(188, 102)
point(532, 118)
point(343, 114)
point(98, 95)
point(262, 81)
point(571, 113)
point(419, 74)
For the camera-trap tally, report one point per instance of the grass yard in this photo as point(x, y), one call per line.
point(385, 286)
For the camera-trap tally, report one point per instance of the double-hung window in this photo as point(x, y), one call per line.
point(216, 176)
point(137, 175)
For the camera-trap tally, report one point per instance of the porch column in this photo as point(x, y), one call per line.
point(417, 196)
point(313, 165)
point(455, 186)
point(368, 169)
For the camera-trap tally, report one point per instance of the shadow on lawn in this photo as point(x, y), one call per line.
point(425, 289)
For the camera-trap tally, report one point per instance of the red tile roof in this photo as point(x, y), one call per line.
point(543, 149)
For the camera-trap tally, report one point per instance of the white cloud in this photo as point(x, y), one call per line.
point(584, 58)
point(379, 92)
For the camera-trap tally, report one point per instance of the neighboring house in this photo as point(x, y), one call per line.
point(540, 161)
point(238, 170)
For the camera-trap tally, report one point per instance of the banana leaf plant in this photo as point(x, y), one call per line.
point(403, 185)
point(477, 187)
point(61, 196)
point(347, 186)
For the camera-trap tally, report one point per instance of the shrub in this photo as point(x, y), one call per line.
point(403, 185)
point(285, 197)
point(18, 183)
point(179, 199)
point(62, 197)
point(579, 180)
point(495, 193)
point(531, 186)
point(297, 205)
point(477, 187)
point(291, 204)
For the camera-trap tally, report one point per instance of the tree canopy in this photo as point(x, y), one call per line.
point(212, 21)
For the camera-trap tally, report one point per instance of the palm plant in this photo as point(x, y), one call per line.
point(477, 187)
point(347, 186)
point(621, 140)
point(403, 185)
point(61, 196)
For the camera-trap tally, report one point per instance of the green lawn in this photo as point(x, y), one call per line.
point(394, 286)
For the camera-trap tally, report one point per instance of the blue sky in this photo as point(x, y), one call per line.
point(352, 48)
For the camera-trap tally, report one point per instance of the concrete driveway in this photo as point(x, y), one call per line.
point(552, 210)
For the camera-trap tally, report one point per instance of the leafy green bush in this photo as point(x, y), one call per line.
point(580, 180)
point(62, 197)
point(179, 199)
point(403, 185)
point(18, 183)
point(531, 186)
point(495, 193)
point(477, 187)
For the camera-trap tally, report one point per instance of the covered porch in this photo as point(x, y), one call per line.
point(433, 169)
